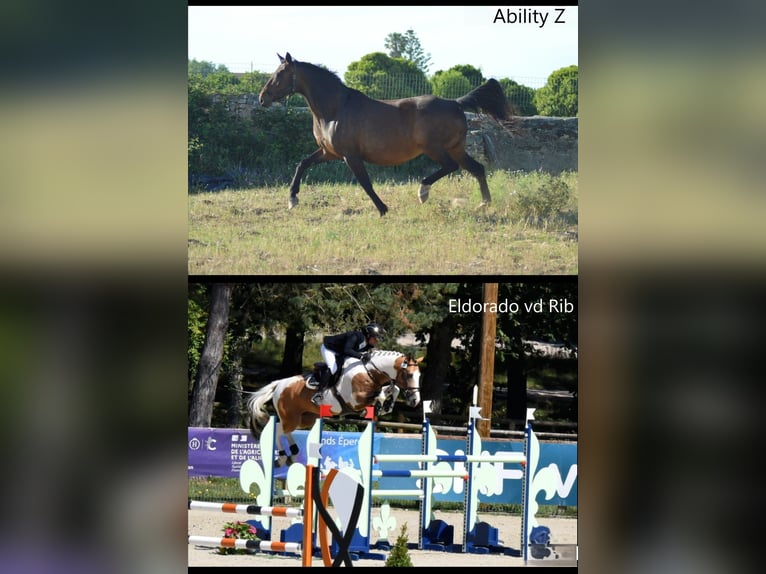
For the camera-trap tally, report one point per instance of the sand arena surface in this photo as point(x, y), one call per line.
point(207, 523)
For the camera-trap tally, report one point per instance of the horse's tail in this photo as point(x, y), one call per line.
point(256, 404)
point(490, 98)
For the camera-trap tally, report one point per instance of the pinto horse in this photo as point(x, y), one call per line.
point(378, 383)
point(352, 127)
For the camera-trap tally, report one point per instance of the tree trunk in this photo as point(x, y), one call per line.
point(516, 399)
point(292, 360)
point(487, 361)
point(234, 398)
point(203, 393)
point(439, 357)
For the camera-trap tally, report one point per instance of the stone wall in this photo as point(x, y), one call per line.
point(536, 143)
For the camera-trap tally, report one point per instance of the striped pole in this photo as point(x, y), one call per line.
point(530, 443)
point(417, 473)
point(246, 509)
point(469, 508)
point(242, 543)
point(428, 441)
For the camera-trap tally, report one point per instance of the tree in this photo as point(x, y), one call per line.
point(205, 68)
point(450, 84)
point(380, 76)
point(514, 330)
point(473, 75)
point(292, 314)
point(521, 97)
point(559, 95)
point(211, 358)
point(408, 46)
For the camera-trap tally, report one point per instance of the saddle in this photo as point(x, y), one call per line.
point(312, 378)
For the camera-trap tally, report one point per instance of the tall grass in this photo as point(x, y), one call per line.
point(529, 228)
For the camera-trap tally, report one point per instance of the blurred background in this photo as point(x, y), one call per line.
point(93, 261)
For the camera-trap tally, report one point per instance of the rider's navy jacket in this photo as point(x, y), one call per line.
point(349, 344)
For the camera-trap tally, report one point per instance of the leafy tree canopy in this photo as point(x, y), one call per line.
point(450, 84)
point(559, 95)
point(522, 97)
point(205, 68)
point(473, 75)
point(381, 76)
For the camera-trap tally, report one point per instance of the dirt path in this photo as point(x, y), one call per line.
point(563, 531)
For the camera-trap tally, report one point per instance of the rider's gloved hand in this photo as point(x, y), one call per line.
point(366, 356)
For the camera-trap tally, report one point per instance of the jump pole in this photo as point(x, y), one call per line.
point(427, 474)
point(472, 457)
point(487, 537)
point(306, 547)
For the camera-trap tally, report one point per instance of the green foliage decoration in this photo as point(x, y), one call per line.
point(399, 555)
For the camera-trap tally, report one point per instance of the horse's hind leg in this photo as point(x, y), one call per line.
point(477, 170)
point(285, 457)
point(317, 157)
point(448, 165)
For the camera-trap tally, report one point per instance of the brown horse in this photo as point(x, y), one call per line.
point(379, 382)
point(351, 127)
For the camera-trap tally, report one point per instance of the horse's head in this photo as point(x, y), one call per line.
point(281, 83)
point(408, 378)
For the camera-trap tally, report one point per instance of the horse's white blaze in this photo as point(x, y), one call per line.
point(414, 397)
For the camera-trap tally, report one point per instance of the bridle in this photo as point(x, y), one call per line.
point(293, 89)
point(407, 390)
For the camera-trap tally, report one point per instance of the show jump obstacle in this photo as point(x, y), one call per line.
point(345, 493)
point(353, 534)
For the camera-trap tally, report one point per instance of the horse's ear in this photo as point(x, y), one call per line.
point(281, 59)
point(288, 58)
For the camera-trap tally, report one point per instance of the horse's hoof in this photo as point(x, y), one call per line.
point(423, 192)
point(292, 202)
point(383, 210)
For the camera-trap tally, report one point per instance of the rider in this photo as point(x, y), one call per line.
point(335, 349)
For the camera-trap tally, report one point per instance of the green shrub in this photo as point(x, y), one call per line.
point(542, 198)
point(399, 555)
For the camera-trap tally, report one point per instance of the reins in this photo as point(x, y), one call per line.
point(392, 382)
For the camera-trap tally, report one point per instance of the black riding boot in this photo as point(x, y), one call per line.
point(324, 380)
point(316, 375)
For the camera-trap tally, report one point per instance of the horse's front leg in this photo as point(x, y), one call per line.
point(386, 400)
point(317, 157)
point(356, 165)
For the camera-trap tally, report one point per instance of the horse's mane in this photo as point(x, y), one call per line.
point(319, 70)
point(382, 352)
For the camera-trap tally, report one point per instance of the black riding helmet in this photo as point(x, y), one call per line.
point(373, 329)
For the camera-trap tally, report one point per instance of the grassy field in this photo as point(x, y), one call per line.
point(217, 489)
point(529, 229)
